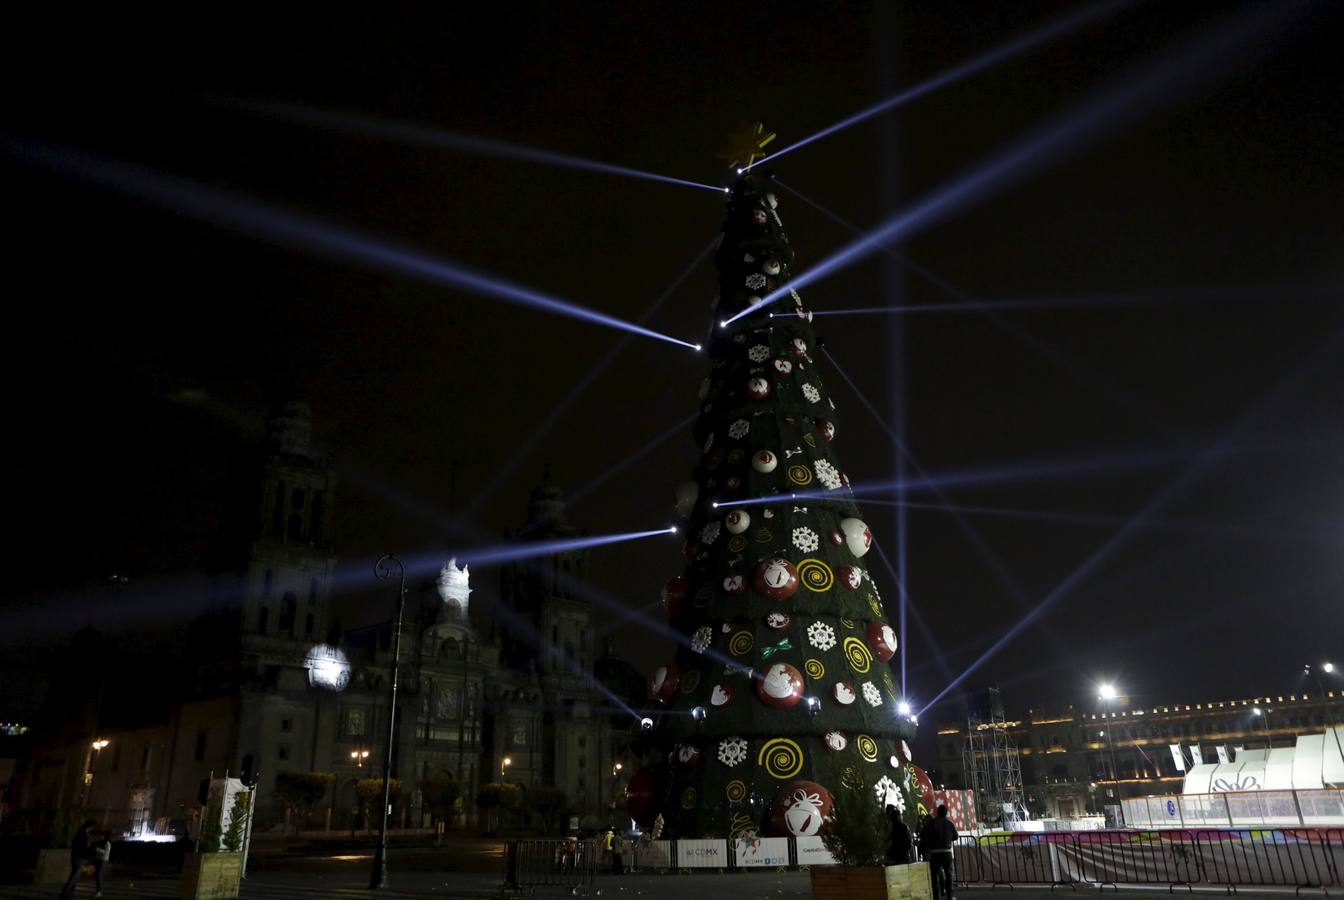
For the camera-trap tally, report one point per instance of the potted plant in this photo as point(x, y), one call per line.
point(216, 870)
point(53, 863)
point(857, 835)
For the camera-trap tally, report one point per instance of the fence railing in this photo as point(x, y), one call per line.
point(532, 864)
point(1296, 858)
point(1282, 809)
point(1222, 857)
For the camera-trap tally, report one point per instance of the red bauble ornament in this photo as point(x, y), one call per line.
point(783, 366)
point(800, 809)
point(663, 684)
point(924, 786)
point(674, 595)
point(798, 346)
point(764, 461)
point(852, 576)
point(844, 693)
point(778, 620)
point(641, 795)
point(781, 687)
point(722, 695)
point(733, 483)
point(775, 579)
point(758, 388)
point(735, 584)
point(836, 741)
point(770, 266)
point(827, 429)
point(688, 754)
point(882, 640)
point(737, 521)
point(758, 216)
point(837, 538)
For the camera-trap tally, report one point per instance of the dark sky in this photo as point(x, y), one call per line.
point(145, 346)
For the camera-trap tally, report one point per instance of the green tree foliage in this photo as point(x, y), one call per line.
point(440, 792)
point(858, 831)
point(210, 822)
point(370, 790)
point(232, 842)
point(64, 825)
point(303, 791)
point(550, 803)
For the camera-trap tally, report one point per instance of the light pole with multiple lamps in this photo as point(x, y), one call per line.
point(1108, 693)
point(1263, 715)
point(1328, 668)
point(384, 569)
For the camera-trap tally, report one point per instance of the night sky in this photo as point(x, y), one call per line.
point(146, 347)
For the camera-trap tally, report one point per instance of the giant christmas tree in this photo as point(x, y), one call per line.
point(782, 691)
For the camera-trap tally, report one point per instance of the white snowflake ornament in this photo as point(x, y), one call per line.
point(811, 393)
point(758, 353)
point(710, 533)
point(827, 474)
point(739, 429)
point(755, 281)
point(805, 539)
point(872, 694)
point(700, 640)
point(888, 794)
point(821, 635)
point(732, 751)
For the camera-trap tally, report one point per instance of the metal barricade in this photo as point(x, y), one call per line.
point(1294, 858)
point(530, 864)
point(1128, 857)
point(1014, 859)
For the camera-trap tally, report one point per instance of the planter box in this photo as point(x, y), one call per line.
point(872, 882)
point(53, 866)
point(210, 876)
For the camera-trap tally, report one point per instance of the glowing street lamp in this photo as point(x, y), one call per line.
point(504, 766)
point(1327, 667)
point(1108, 693)
point(358, 757)
point(1263, 715)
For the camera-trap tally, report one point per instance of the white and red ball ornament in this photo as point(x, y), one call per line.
point(827, 429)
point(758, 216)
point(836, 537)
point(800, 809)
point(893, 761)
point(641, 793)
point(764, 461)
point(721, 695)
point(737, 521)
point(783, 366)
point(735, 584)
point(882, 640)
point(758, 388)
point(836, 741)
point(688, 492)
point(770, 266)
point(778, 621)
point(688, 754)
point(852, 576)
point(733, 483)
point(903, 750)
point(780, 687)
point(775, 579)
point(844, 693)
point(674, 595)
point(798, 346)
point(663, 684)
point(857, 536)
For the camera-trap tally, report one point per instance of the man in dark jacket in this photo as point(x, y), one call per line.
point(898, 850)
point(80, 853)
point(935, 845)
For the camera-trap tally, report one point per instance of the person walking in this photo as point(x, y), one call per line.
point(79, 855)
point(898, 849)
point(102, 852)
point(618, 854)
point(935, 845)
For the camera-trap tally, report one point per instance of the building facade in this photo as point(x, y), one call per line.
point(273, 686)
point(1076, 762)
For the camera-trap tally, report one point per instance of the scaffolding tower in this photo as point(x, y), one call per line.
point(991, 761)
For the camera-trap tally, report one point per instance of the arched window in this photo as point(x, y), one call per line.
point(289, 609)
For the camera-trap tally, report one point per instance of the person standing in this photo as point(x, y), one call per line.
point(935, 845)
point(79, 855)
point(102, 852)
point(618, 854)
point(898, 850)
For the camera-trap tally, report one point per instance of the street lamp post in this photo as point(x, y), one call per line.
point(384, 569)
point(1263, 715)
point(1108, 694)
point(504, 766)
point(1329, 707)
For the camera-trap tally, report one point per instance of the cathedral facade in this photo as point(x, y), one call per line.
point(506, 694)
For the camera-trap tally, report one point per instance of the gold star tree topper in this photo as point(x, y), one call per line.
point(746, 145)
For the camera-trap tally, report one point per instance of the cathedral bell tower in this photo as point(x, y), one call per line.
point(287, 589)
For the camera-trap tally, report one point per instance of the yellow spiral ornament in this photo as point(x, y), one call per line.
point(814, 668)
point(815, 575)
point(688, 797)
point(859, 656)
point(704, 597)
point(737, 543)
point(781, 758)
point(740, 643)
point(742, 824)
point(800, 474)
point(875, 606)
point(867, 747)
point(848, 623)
point(690, 681)
point(850, 778)
point(737, 791)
